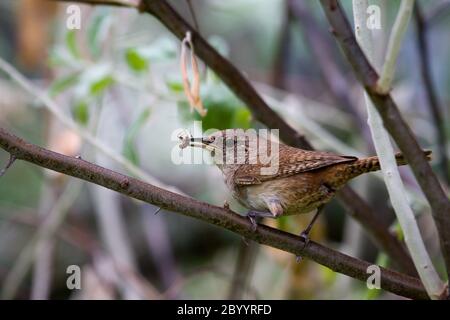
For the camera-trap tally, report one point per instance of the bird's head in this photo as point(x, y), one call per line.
point(229, 147)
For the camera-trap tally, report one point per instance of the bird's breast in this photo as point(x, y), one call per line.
point(300, 193)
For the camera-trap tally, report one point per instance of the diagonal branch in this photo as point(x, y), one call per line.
point(392, 281)
point(335, 81)
point(394, 123)
point(260, 109)
point(385, 150)
point(433, 101)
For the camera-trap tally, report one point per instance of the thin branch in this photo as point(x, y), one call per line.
point(433, 100)
point(194, 16)
point(385, 152)
point(394, 123)
point(8, 165)
point(261, 111)
point(392, 281)
point(243, 269)
point(395, 41)
point(321, 48)
point(282, 51)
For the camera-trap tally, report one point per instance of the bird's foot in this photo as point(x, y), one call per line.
point(252, 215)
point(226, 205)
point(305, 236)
point(256, 216)
point(305, 233)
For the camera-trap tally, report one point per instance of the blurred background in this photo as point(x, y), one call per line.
point(118, 77)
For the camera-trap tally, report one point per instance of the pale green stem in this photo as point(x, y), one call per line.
point(394, 45)
point(432, 283)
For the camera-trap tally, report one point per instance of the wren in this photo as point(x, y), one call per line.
point(301, 182)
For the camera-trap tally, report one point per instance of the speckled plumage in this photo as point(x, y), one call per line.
point(304, 180)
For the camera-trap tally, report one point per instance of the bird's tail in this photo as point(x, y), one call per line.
point(369, 164)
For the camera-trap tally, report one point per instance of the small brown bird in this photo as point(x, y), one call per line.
point(292, 181)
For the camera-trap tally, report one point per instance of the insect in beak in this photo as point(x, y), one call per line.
point(204, 142)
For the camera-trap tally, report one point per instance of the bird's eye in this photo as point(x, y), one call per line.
point(212, 138)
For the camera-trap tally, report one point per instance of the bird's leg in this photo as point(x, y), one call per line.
point(251, 215)
point(305, 233)
point(254, 217)
point(275, 210)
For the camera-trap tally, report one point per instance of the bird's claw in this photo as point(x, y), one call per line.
point(252, 217)
point(305, 236)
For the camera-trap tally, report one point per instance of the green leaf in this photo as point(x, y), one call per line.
point(242, 118)
point(398, 231)
point(71, 43)
point(100, 85)
point(129, 148)
point(175, 86)
point(63, 84)
point(81, 112)
point(135, 61)
point(96, 33)
point(139, 58)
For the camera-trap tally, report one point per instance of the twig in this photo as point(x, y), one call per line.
point(433, 100)
point(394, 123)
point(385, 152)
point(159, 245)
point(282, 51)
point(194, 16)
point(332, 76)
point(395, 42)
point(395, 282)
point(243, 269)
point(43, 270)
point(8, 164)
